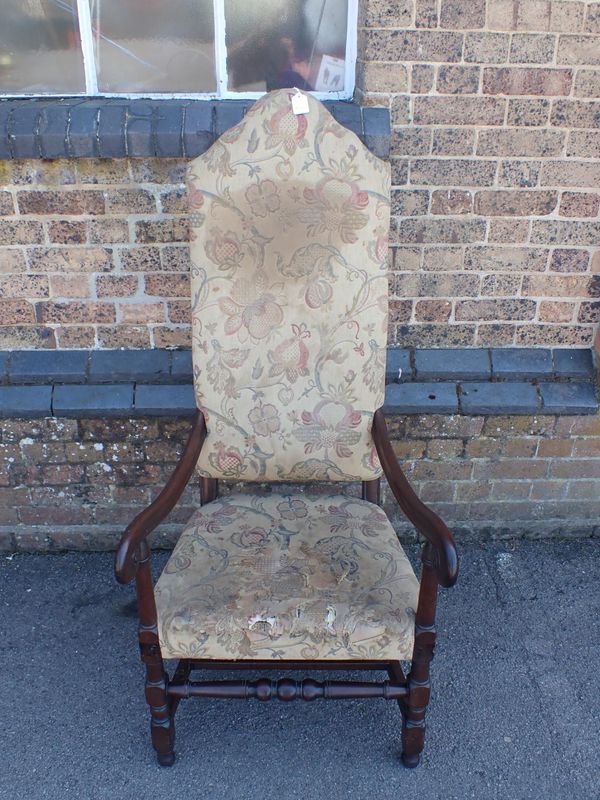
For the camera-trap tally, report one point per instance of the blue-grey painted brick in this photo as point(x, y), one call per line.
point(169, 129)
point(111, 131)
point(53, 130)
point(452, 364)
point(569, 398)
point(377, 134)
point(5, 111)
point(397, 366)
point(569, 363)
point(515, 363)
point(135, 365)
point(82, 131)
point(181, 365)
point(48, 366)
point(229, 114)
point(348, 115)
point(4, 361)
point(198, 127)
point(498, 398)
point(93, 400)
point(138, 129)
point(23, 131)
point(25, 401)
point(164, 400)
point(421, 398)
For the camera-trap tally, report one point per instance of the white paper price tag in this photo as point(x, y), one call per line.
point(300, 103)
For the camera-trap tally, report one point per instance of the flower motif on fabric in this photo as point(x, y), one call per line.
point(331, 427)
point(228, 460)
point(264, 419)
point(290, 357)
point(252, 309)
point(291, 508)
point(263, 198)
point(224, 249)
point(335, 206)
point(286, 129)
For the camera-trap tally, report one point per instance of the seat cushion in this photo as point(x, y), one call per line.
point(294, 576)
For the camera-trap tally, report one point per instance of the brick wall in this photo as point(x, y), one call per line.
point(76, 483)
point(496, 162)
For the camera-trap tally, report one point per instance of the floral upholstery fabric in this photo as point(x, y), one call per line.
point(290, 217)
point(287, 577)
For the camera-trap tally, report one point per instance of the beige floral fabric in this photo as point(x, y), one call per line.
point(290, 216)
point(293, 576)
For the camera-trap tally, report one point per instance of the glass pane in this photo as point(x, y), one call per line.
point(40, 49)
point(154, 45)
point(283, 43)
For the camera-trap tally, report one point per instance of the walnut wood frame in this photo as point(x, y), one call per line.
point(412, 691)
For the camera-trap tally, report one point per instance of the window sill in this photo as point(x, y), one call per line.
point(109, 128)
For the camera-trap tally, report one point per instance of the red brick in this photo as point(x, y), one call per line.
point(422, 78)
point(23, 286)
point(527, 81)
point(402, 45)
point(494, 309)
point(15, 312)
point(166, 230)
point(74, 312)
point(70, 285)
point(130, 201)
point(60, 201)
point(557, 312)
point(111, 231)
point(387, 14)
point(457, 110)
point(11, 261)
point(130, 336)
point(579, 204)
point(70, 259)
point(486, 48)
point(566, 260)
point(451, 201)
point(179, 312)
point(577, 113)
point(555, 286)
point(116, 285)
point(509, 231)
point(520, 143)
point(7, 206)
point(433, 310)
point(405, 203)
point(21, 232)
point(519, 203)
point(452, 172)
point(529, 112)
point(458, 80)
point(136, 313)
point(67, 232)
point(578, 50)
point(426, 14)
point(462, 14)
point(76, 337)
point(171, 337)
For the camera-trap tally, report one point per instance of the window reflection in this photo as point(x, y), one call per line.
point(40, 50)
point(153, 45)
point(284, 43)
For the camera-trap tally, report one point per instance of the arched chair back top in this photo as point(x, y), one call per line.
point(290, 217)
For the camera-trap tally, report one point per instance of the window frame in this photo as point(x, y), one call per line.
point(221, 92)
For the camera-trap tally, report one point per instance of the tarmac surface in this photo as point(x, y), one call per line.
point(515, 711)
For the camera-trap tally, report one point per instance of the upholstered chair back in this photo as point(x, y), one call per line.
point(290, 217)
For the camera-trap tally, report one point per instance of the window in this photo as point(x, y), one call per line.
point(165, 48)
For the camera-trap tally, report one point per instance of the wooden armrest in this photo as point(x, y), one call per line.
point(423, 518)
point(126, 561)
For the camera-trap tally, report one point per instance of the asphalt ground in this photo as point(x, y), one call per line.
point(515, 711)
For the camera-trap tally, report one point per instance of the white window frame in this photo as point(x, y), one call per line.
point(222, 92)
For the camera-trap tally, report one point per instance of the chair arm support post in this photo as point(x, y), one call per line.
point(128, 554)
point(443, 553)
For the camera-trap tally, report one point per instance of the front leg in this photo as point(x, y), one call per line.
point(162, 725)
point(414, 707)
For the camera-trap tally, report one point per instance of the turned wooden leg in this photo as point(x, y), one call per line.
point(162, 726)
point(415, 705)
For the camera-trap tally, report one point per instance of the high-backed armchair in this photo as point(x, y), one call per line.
point(289, 216)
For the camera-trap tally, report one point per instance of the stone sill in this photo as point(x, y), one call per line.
point(113, 128)
point(130, 383)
